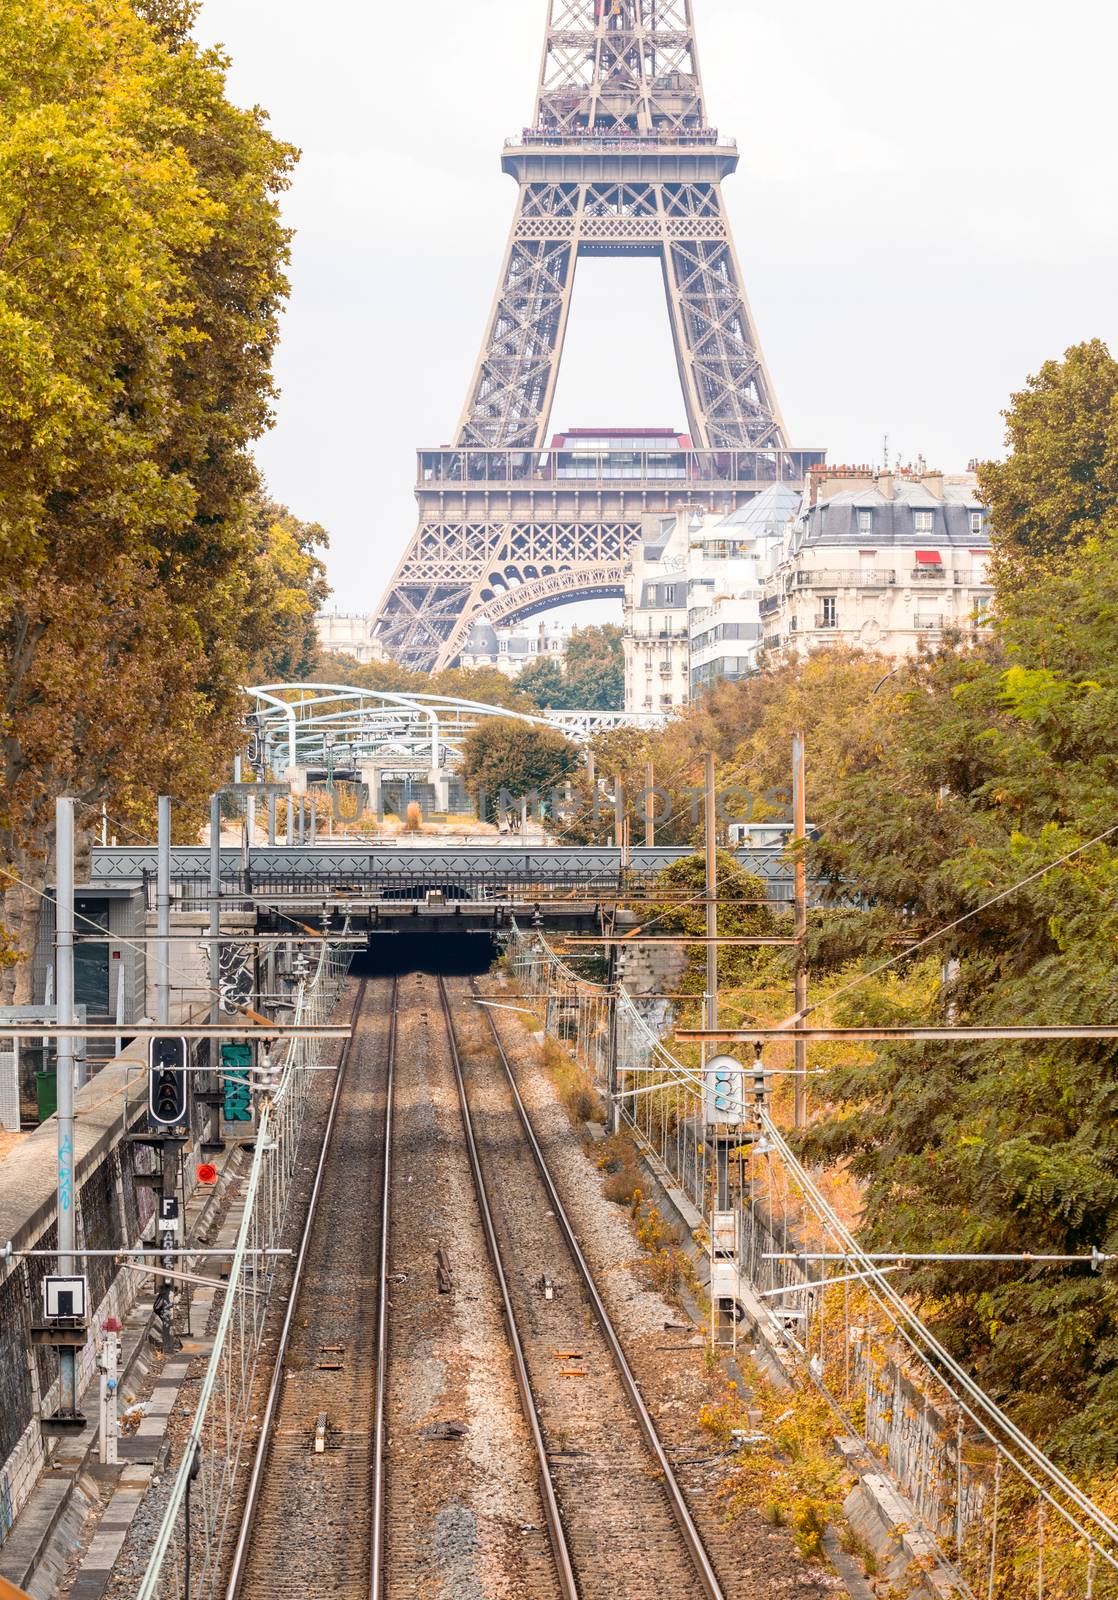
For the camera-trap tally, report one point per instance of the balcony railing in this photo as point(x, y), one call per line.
point(485, 468)
point(846, 578)
point(929, 624)
point(929, 575)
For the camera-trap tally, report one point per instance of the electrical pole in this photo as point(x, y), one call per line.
point(168, 1148)
point(799, 824)
point(163, 914)
point(649, 806)
point(216, 1085)
point(710, 1006)
point(65, 1081)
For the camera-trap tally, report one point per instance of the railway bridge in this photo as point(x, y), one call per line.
point(467, 893)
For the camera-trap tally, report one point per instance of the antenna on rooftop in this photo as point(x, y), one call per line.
point(885, 455)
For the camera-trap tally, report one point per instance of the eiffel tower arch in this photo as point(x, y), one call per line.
point(620, 160)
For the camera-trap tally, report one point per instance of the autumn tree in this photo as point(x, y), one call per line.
point(287, 589)
point(142, 269)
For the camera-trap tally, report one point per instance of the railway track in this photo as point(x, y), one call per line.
point(622, 1524)
point(304, 1504)
point(438, 1279)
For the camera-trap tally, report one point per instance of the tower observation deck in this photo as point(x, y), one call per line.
point(620, 160)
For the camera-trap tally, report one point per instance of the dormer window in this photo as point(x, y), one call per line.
point(865, 522)
point(924, 521)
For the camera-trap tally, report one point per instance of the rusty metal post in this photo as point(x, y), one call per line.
point(649, 806)
point(799, 828)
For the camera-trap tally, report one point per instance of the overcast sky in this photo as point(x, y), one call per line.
point(925, 211)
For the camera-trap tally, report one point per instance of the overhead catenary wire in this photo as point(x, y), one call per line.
point(957, 922)
point(927, 1347)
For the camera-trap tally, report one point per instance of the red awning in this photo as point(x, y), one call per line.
point(929, 558)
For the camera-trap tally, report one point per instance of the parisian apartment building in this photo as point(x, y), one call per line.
point(693, 596)
point(509, 650)
point(349, 633)
point(886, 561)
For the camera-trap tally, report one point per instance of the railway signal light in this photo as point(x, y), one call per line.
point(724, 1080)
point(167, 1093)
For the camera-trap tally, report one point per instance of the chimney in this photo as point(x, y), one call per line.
point(885, 485)
point(933, 482)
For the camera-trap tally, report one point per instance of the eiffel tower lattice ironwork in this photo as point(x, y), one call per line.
point(620, 160)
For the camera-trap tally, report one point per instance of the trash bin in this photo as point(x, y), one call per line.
point(46, 1094)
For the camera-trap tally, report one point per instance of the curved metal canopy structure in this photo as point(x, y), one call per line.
point(336, 725)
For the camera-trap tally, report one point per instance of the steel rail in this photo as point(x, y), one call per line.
point(556, 1532)
point(377, 1586)
point(696, 1549)
point(260, 1462)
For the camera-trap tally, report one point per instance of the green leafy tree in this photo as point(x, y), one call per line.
point(594, 669)
point(544, 684)
point(1058, 486)
point(592, 677)
point(503, 753)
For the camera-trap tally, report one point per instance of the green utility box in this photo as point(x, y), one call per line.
point(46, 1094)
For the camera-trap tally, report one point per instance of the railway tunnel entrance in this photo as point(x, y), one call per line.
point(457, 954)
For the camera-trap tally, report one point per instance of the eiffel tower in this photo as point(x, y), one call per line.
point(620, 160)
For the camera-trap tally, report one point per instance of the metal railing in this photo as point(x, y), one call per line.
point(993, 1516)
point(579, 139)
point(460, 469)
point(208, 1479)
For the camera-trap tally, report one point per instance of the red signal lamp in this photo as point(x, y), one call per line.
point(207, 1173)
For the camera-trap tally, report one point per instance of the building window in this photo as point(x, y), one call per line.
point(830, 611)
point(669, 594)
point(865, 522)
point(978, 522)
point(924, 521)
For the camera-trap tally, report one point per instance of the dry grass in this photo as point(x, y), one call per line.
point(579, 1098)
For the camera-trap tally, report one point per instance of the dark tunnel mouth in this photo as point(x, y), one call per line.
point(455, 955)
